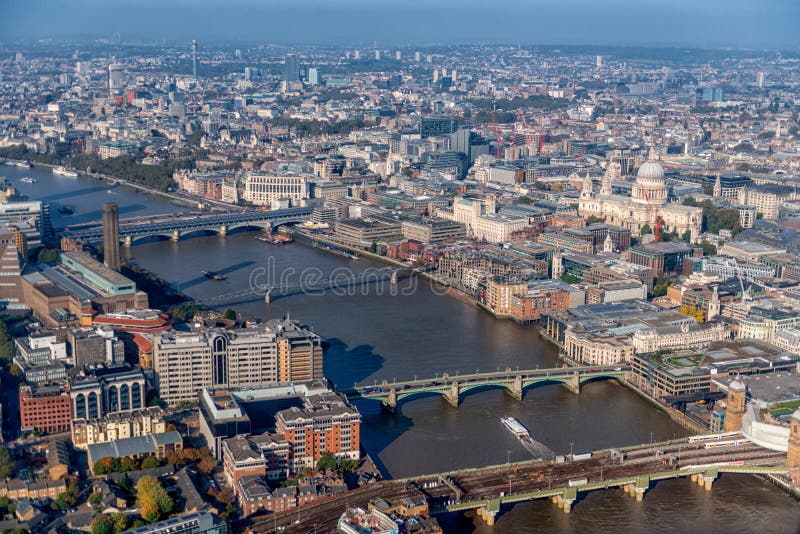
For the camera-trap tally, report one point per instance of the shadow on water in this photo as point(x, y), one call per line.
point(75, 193)
point(97, 215)
point(346, 367)
point(225, 272)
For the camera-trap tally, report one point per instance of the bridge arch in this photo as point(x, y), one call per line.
point(200, 232)
point(149, 238)
point(546, 381)
point(247, 227)
point(469, 389)
point(585, 379)
point(414, 395)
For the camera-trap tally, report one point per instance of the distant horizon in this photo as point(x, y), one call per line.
point(741, 25)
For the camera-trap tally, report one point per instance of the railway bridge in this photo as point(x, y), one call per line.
point(184, 225)
point(514, 382)
point(486, 491)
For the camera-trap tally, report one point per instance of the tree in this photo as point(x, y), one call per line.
point(687, 236)
point(570, 278)
point(47, 255)
point(327, 462)
point(67, 499)
point(102, 524)
point(95, 498)
point(150, 462)
point(646, 230)
point(6, 506)
point(128, 464)
point(7, 464)
point(229, 512)
point(152, 499)
point(709, 249)
point(373, 247)
point(591, 219)
point(120, 522)
point(229, 315)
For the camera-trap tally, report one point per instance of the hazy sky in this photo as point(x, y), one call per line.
point(709, 23)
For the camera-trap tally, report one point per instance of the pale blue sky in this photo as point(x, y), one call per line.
point(706, 23)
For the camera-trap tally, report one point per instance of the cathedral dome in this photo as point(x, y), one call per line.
point(650, 172)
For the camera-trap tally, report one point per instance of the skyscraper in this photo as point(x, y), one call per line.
point(194, 59)
point(291, 68)
point(116, 78)
point(111, 235)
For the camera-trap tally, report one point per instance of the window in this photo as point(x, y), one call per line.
point(136, 396)
point(113, 399)
point(124, 397)
point(93, 411)
point(80, 406)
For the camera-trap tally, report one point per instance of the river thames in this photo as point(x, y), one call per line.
point(376, 335)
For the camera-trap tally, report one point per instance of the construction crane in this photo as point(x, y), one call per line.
point(527, 131)
point(745, 296)
point(657, 221)
point(541, 136)
point(499, 137)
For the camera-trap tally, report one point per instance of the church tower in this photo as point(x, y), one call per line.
point(737, 401)
point(608, 244)
point(717, 187)
point(586, 190)
point(613, 172)
point(793, 452)
point(558, 267)
point(713, 305)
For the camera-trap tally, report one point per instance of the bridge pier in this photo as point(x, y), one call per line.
point(705, 480)
point(564, 503)
point(573, 384)
point(516, 388)
point(487, 515)
point(452, 397)
point(223, 230)
point(393, 279)
point(267, 298)
point(176, 235)
point(128, 241)
point(391, 402)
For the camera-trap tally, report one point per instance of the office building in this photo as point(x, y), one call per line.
point(31, 217)
point(103, 389)
point(45, 409)
point(437, 126)
point(195, 523)
point(95, 345)
point(291, 68)
point(278, 351)
point(116, 78)
point(11, 297)
point(111, 235)
point(314, 76)
point(262, 189)
point(194, 59)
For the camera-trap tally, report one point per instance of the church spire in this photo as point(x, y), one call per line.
point(717, 187)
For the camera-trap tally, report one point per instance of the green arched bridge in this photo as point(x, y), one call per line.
point(515, 382)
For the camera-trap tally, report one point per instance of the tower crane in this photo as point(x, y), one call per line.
point(657, 221)
point(499, 137)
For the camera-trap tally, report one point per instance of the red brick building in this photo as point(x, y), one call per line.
point(46, 409)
